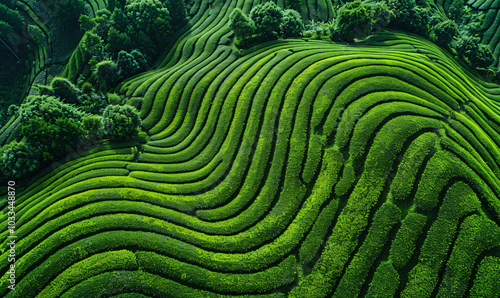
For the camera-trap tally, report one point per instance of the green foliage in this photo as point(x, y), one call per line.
point(404, 244)
point(11, 17)
point(487, 282)
point(87, 88)
point(475, 54)
point(103, 23)
point(66, 91)
point(291, 25)
point(131, 63)
point(86, 23)
point(114, 99)
point(354, 20)
point(385, 281)
point(37, 34)
point(94, 104)
point(477, 235)
point(19, 160)
point(107, 73)
point(444, 32)
point(410, 17)
point(92, 44)
point(149, 25)
point(5, 29)
point(13, 110)
point(121, 122)
point(50, 124)
point(47, 108)
point(241, 24)
point(177, 10)
point(68, 12)
point(456, 10)
point(117, 41)
point(92, 125)
point(267, 19)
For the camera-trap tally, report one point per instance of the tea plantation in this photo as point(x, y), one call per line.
point(293, 168)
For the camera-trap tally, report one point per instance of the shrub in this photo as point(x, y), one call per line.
point(267, 19)
point(292, 24)
point(121, 122)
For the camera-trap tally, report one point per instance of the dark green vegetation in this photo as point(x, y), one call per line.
point(293, 168)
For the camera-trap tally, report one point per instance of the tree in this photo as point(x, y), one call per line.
point(353, 20)
point(242, 26)
point(53, 137)
point(483, 57)
point(50, 124)
point(92, 44)
point(410, 17)
point(66, 91)
point(130, 64)
point(117, 41)
point(86, 23)
point(92, 125)
point(20, 160)
point(456, 10)
point(475, 54)
point(291, 25)
point(107, 73)
point(142, 13)
point(121, 122)
point(267, 19)
point(177, 10)
point(48, 108)
point(444, 32)
point(119, 20)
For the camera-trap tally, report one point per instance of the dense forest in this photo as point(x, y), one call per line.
point(250, 148)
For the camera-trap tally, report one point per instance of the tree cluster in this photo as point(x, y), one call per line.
point(63, 117)
point(124, 42)
point(457, 31)
point(266, 22)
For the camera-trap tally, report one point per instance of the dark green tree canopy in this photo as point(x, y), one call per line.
point(241, 24)
point(353, 20)
point(121, 122)
point(267, 19)
point(291, 25)
point(20, 160)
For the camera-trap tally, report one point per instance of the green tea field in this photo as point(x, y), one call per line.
point(291, 168)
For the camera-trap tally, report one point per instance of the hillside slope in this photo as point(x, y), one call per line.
point(295, 168)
